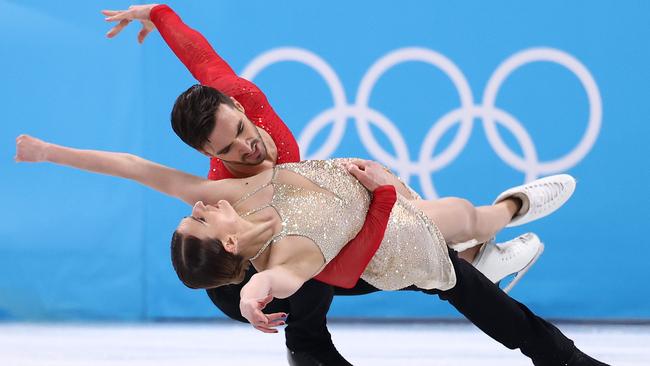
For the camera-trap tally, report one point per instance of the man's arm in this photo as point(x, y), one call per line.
point(189, 188)
point(194, 51)
point(188, 45)
point(211, 70)
point(346, 268)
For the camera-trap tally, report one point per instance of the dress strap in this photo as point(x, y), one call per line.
point(266, 245)
point(251, 193)
point(255, 210)
point(270, 204)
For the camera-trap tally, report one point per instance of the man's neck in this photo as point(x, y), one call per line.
point(244, 171)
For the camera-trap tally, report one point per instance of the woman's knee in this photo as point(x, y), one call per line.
point(466, 215)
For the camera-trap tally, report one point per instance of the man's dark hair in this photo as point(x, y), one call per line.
point(204, 263)
point(194, 114)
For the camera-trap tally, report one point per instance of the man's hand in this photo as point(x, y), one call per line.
point(30, 149)
point(124, 17)
point(369, 173)
point(251, 309)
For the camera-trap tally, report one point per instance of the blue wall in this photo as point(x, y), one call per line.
point(571, 96)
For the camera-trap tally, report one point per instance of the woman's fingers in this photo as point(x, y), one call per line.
point(29, 149)
point(276, 319)
point(252, 311)
point(265, 330)
point(261, 323)
point(269, 325)
point(274, 316)
point(267, 322)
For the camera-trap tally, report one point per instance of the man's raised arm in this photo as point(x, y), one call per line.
point(194, 51)
point(191, 47)
point(188, 44)
point(209, 69)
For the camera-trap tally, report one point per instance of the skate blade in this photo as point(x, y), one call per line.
point(523, 271)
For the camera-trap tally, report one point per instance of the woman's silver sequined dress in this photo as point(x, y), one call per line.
point(413, 252)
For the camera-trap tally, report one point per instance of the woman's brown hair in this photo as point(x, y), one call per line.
point(204, 263)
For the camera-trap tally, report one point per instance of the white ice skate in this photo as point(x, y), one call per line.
point(540, 197)
point(516, 256)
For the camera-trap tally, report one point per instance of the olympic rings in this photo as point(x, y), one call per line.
point(487, 112)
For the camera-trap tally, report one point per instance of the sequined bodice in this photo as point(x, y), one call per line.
point(317, 212)
point(328, 205)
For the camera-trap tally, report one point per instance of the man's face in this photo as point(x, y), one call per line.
point(235, 139)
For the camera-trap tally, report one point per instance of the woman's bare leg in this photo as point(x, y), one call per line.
point(470, 253)
point(459, 221)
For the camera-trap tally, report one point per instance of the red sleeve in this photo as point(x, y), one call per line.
point(189, 46)
point(211, 70)
point(346, 268)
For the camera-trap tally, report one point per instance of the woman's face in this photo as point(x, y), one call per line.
point(218, 221)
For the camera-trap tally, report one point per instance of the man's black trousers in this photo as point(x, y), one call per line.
point(476, 297)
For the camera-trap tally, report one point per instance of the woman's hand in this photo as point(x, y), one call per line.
point(369, 173)
point(30, 149)
point(251, 309)
point(124, 17)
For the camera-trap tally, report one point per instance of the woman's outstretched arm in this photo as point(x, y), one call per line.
point(278, 281)
point(186, 187)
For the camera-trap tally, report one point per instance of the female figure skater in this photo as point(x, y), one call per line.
point(292, 220)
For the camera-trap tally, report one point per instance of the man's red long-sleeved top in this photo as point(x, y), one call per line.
point(211, 70)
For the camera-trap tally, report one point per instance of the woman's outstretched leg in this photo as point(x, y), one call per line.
point(459, 221)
